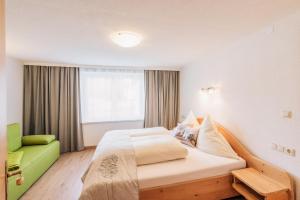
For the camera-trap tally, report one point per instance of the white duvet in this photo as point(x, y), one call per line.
point(157, 148)
point(147, 131)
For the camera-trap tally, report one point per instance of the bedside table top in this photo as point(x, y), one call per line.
point(259, 182)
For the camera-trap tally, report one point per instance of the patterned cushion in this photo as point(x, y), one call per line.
point(178, 130)
point(186, 134)
point(190, 136)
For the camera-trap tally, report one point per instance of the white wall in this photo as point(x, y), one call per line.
point(93, 132)
point(259, 78)
point(14, 90)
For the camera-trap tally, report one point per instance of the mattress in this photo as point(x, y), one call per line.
point(197, 165)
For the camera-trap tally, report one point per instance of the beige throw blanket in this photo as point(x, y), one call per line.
point(112, 173)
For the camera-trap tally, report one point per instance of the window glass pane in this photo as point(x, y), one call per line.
point(112, 95)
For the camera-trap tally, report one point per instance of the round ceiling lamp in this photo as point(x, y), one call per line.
point(126, 39)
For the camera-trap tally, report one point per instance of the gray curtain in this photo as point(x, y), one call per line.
point(52, 104)
point(161, 98)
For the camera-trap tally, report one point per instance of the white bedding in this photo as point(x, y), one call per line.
point(114, 172)
point(146, 131)
point(196, 165)
point(157, 148)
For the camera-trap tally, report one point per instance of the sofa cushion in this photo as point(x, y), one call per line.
point(33, 154)
point(14, 140)
point(37, 139)
point(14, 160)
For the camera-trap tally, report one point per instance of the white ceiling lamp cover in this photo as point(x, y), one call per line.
point(126, 39)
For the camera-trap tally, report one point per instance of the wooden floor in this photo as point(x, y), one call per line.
point(62, 180)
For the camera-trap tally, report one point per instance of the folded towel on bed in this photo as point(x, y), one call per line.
point(14, 160)
point(157, 148)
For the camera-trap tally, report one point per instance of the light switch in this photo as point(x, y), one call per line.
point(280, 148)
point(283, 149)
point(274, 146)
point(290, 152)
point(287, 114)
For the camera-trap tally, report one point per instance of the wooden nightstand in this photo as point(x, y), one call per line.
point(254, 185)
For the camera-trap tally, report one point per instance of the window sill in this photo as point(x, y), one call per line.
point(110, 122)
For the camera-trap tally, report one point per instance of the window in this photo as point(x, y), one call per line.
point(112, 95)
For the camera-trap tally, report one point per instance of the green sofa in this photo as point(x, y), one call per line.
point(37, 158)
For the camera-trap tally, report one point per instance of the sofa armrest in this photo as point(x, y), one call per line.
point(37, 139)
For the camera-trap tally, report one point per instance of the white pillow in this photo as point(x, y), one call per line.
point(211, 141)
point(157, 148)
point(191, 120)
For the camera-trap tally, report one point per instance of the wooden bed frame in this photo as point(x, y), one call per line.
point(219, 187)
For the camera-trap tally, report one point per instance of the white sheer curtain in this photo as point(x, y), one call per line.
point(112, 95)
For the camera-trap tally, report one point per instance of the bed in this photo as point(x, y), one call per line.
point(197, 165)
point(201, 175)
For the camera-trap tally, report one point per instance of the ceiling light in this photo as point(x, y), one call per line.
point(126, 39)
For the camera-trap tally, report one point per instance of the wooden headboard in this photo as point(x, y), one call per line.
point(262, 166)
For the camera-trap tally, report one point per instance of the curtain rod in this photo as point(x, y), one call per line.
point(163, 68)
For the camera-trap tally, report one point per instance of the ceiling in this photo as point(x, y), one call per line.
point(176, 32)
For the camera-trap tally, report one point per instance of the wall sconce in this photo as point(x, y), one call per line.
point(209, 90)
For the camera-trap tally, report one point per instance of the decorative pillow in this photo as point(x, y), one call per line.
point(178, 130)
point(212, 142)
point(191, 120)
point(14, 160)
point(37, 139)
point(190, 136)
